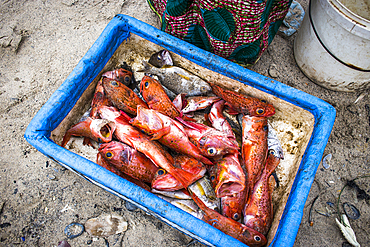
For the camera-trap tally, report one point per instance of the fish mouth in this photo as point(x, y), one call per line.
point(228, 189)
point(103, 129)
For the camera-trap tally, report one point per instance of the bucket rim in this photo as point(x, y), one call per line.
point(347, 11)
point(347, 19)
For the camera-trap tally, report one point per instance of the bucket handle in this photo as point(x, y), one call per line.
point(323, 45)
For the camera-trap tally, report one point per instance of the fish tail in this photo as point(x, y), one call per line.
point(271, 163)
point(79, 129)
point(147, 67)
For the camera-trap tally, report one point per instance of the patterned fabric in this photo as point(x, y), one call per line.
point(239, 30)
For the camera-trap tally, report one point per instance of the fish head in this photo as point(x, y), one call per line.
point(148, 87)
point(215, 146)
point(161, 58)
point(108, 112)
point(232, 206)
point(262, 109)
point(124, 76)
point(121, 75)
point(119, 94)
point(273, 143)
point(111, 151)
point(204, 88)
point(229, 177)
point(147, 120)
point(102, 129)
point(165, 181)
point(252, 237)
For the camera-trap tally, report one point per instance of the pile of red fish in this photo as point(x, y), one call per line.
point(155, 143)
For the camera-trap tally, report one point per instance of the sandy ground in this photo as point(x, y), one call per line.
point(41, 42)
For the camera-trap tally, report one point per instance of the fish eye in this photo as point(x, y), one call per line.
point(211, 151)
point(265, 127)
point(114, 83)
point(127, 78)
point(212, 177)
point(260, 111)
point(263, 101)
point(100, 140)
point(161, 172)
point(159, 57)
point(109, 155)
point(146, 84)
point(203, 89)
point(272, 152)
point(257, 238)
point(236, 216)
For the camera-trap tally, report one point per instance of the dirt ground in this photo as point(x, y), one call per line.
point(41, 42)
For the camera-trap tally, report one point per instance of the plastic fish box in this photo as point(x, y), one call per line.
point(303, 124)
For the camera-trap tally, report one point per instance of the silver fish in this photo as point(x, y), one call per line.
point(161, 58)
point(178, 80)
point(274, 143)
point(188, 206)
point(204, 191)
point(177, 194)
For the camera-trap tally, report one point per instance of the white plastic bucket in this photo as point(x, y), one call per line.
point(334, 50)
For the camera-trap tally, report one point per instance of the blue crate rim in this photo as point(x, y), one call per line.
point(117, 31)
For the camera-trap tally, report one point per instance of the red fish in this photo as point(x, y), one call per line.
point(99, 130)
point(129, 135)
point(229, 177)
point(156, 98)
point(165, 181)
point(121, 75)
point(244, 104)
point(167, 131)
point(258, 212)
point(121, 96)
point(230, 227)
point(104, 163)
point(129, 161)
point(211, 142)
point(254, 148)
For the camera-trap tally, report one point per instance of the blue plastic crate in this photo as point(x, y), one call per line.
point(117, 31)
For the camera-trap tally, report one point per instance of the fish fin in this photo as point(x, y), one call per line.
point(230, 109)
point(66, 139)
point(187, 118)
point(191, 125)
point(160, 133)
point(146, 68)
point(87, 141)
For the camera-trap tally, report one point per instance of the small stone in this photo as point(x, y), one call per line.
point(106, 225)
point(326, 161)
point(273, 72)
